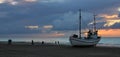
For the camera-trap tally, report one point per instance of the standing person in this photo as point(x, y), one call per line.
point(32, 42)
point(55, 42)
point(42, 42)
point(9, 42)
point(58, 42)
point(89, 34)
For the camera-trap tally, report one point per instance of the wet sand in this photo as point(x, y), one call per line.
point(56, 51)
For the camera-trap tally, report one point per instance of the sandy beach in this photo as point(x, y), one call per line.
point(56, 51)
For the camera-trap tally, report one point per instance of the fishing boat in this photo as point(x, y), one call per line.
point(91, 39)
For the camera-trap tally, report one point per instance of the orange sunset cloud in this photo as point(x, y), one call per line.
point(109, 19)
point(109, 33)
point(114, 16)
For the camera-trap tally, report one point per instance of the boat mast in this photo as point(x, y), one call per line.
point(94, 24)
point(80, 17)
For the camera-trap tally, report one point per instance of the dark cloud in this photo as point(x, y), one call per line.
point(115, 26)
point(63, 16)
point(70, 21)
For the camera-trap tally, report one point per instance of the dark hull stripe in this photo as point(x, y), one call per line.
point(84, 41)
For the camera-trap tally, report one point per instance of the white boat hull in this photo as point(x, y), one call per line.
point(83, 42)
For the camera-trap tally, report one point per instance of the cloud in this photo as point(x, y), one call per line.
point(21, 2)
point(52, 1)
point(12, 2)
point(16, 2)
point(2, 1)
point(109, 32)
point(59, 14)
point(30, 0)
point(31, 27)
point(69, 21)
point(114, 16)
point(111, 22)
point(48, 27)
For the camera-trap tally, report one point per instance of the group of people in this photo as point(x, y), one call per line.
point(32, 42)
point(90, 33)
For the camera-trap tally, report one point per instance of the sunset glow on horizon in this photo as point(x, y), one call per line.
point(109, 33)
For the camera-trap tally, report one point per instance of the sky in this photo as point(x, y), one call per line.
point(57, 18)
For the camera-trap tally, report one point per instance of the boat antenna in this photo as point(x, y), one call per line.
point(94, 24)
point(80, 17)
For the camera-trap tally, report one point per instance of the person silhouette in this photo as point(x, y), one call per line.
point(58, 42)
point(32, 42)
point(9, 42)
point(42, 42)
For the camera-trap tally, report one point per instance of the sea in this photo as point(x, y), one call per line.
point(105, 41)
